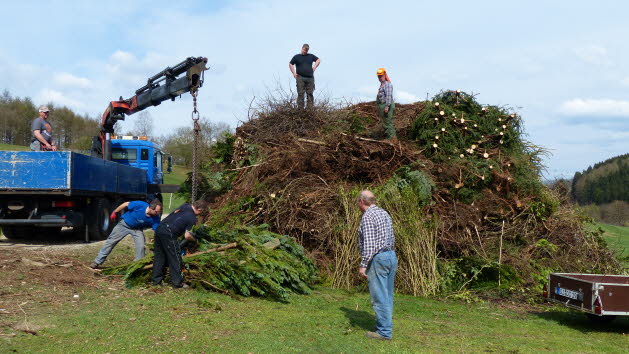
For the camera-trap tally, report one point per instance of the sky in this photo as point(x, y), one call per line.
point(562, 65)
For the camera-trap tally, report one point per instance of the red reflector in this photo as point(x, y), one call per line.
point(598, 306)
point(63, 204)
point(545, 292)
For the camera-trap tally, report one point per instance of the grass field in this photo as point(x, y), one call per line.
point(13, 147)
point(617, 238)
point(166, 320)
point(177, 176)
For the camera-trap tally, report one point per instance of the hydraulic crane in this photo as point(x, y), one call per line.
point(167, 84)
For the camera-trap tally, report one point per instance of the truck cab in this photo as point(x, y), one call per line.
point(138, 151)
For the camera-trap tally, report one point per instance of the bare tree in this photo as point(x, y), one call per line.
point(143, 124)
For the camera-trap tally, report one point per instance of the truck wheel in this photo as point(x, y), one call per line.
point(17, 232)
point(99, 224)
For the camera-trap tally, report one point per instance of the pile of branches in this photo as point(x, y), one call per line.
point(245, 261)
point(487, 216)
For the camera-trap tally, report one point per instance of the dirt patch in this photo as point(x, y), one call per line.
point(39, 276)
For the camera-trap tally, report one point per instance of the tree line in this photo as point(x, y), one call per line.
point(69, 128)
point(603, 183)
point(74, 131)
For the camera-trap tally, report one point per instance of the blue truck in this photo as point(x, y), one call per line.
point(43, 192)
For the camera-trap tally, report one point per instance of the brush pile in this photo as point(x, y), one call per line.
point(463, 188)
point(245, 261)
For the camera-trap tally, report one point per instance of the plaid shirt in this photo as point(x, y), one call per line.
point(385, 93)
point(375, 234)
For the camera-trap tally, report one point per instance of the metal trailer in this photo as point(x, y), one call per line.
point(601, 297)
point(41, 192)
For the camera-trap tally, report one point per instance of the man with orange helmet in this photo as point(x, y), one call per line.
point(386, 105)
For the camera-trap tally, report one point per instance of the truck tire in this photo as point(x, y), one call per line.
point(17, 232)
point(99, 224)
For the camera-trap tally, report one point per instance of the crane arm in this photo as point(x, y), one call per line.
point(167, 84)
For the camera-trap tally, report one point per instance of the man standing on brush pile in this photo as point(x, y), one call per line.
point(378, 262)
point(42, 132)
point(139, 216)
point(166, 246)
point(304, 75)
point(386, 105)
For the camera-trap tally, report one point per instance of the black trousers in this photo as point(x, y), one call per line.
point(167, 253)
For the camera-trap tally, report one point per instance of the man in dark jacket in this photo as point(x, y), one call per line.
point(166, 246)
point(304, 75)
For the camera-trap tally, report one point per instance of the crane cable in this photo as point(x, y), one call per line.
point(195, 146)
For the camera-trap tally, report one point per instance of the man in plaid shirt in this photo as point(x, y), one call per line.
point(378, 262)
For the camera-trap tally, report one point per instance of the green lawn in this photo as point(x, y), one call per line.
point(617, 238)
point(177, 176)
point(166, 320)
point(13, 147)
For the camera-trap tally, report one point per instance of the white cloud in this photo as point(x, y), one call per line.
point(405, 97)
point(595, 107)
point(60, 99)
point(66, 79)
point(120, 57)
point(593, 54)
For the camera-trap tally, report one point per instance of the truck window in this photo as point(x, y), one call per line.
point(158, 160)
point(124, 154)
point(144, 154)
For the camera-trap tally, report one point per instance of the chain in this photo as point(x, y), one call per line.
point(195, 147)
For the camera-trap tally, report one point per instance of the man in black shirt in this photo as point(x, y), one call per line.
point(304, 75)
point(166, 246)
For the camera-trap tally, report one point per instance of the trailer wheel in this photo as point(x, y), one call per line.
point(99, 224)
point(17, 232)
point(601, 320)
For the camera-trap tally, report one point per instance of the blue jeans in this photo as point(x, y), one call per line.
point(381, 274)
point(120, 231)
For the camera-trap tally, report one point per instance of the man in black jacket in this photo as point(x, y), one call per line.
point(304, 75)
point(166, 246)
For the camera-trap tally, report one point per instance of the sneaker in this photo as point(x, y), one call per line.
point(374, 335)
point(95, 265)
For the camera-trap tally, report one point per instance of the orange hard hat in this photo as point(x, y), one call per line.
point(381, 72)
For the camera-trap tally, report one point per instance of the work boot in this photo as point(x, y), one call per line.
point(374, 335)
point(95, 265)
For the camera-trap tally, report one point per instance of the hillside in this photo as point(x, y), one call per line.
point(603, 183)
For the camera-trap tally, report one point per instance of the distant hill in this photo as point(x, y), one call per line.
point(602, 183)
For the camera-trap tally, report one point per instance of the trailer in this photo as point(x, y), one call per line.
point(43, 192)
point(601, 297)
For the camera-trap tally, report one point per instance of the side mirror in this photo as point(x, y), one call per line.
point(170, 164)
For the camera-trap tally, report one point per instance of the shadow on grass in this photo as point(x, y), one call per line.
point(581, 322)
point(360, 319)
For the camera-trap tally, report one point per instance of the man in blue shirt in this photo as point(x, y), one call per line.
point(139, 216)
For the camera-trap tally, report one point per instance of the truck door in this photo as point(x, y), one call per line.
point(158, 176)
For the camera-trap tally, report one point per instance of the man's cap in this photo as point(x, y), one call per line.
point(381, 72)
point(306, 46)
point(44, 109)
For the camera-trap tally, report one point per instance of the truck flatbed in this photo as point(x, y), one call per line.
point(67, 173)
